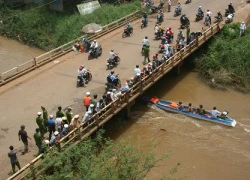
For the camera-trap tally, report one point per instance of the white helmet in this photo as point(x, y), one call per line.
point(199, 6)
point(95, 40)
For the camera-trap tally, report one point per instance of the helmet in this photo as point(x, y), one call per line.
point(95, 40)
point(146, 37)
point(87, 93)
point(199, 6)
point(51, 116)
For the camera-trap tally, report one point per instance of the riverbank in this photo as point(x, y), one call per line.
point(224, 60)
point(47, 30)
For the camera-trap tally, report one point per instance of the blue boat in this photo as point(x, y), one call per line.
point(172, 107)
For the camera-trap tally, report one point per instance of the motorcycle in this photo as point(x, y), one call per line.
point(161, 50)
point(199, 16)
point(158, 35)
point(111, 85)
point(229, 18)
point(187, 1)
point(217, 19)
point(227, 12)
point(154, 9)
point(185, 24)
point(127, 33)
point(144, 23)
point(87, 77)
point(149, 4)
point(177, 12)
point(95, 53)
point(111, 63)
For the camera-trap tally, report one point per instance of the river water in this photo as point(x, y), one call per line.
point(13, 53)
point(204, 150)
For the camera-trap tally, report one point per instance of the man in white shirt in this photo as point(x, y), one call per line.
point(112, 55)
point(58, 123)
point(137, 70)
point(209, 13)
point(215, 113)
point(87, 116)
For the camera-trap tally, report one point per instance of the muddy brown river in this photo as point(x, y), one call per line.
point(204, 150)
point(13, 53)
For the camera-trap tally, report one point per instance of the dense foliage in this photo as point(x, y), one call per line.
point(99, 158)
point(47, 30)
point(225, 59)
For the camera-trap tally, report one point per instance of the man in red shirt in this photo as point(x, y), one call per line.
point(22, 134)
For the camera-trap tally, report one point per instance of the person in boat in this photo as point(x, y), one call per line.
point(180, 105)
point(215, 113)
point(200, 110)
point(189, 108)
point(224, 115)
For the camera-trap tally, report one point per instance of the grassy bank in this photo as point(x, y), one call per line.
point(47, 30)
point(224, 60)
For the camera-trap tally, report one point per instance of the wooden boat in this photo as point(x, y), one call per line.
point(173, 107)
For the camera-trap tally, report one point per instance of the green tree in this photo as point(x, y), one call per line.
point(99, 158)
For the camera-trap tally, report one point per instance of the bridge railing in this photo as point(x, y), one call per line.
point(38, 61)
point(100, 118)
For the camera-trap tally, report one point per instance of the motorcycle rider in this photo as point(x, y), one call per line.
point(231, 8)
point(94, 45)
point(80, 74)
point(179, 36)
point(145, 17)
point(112, 56)
point(178, 8)
point(219, 16)
point(156, 29)
point(145, 42)
point(200, 11)
point(129, 27)
point(112, 78)
point(184, 20)
point(160, 16)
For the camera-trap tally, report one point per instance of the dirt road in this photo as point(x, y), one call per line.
point(55, 83)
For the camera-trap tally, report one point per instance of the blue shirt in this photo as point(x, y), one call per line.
point(112, 77)
point(12, 156)
point(51, 122)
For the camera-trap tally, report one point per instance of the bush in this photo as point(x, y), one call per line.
point(225, 58)
point(47, 30)
point(99, 159)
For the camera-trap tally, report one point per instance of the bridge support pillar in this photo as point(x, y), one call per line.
point(128, 110)
point(178, 69)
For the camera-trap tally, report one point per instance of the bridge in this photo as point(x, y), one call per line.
point(125, 101)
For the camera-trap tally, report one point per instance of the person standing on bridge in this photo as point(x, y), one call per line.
point(45, 115)
point(69, 114)
point(87, 100)
point(94, 101)
point(13, 159)
point(40, 123)
point(59, 112)
point(169, 5)
point(38, 139)
point(22, 134)
point(146, 54)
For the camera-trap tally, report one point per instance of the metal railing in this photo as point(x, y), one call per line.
point(38, 61)
point(100, 118)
